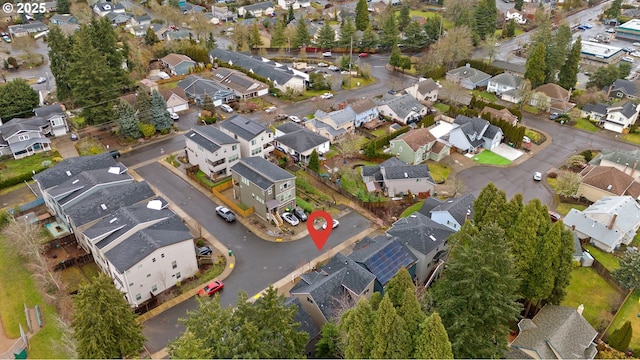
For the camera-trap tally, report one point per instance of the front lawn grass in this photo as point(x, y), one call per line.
point(73, 277)
point(380, 131)
point(629, 312)
point(632, 138)
point(563, 208)
point(531, 109)
point(533, 135)
point(357, 82)
point(204, 178)
point(609, 261)
point(411, 209)
point(12, 168)
point(169, 85)
point(439, 171)
point(490, 158)
point(91, 270)
point(585, 124)
point(589, 288)
point(443, 108)
point(485, 95)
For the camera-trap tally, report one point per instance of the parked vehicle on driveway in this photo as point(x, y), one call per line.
point(300, 214)
point(204, 250)
point(295, 119)
point(290, 218)
point(225, 213)
point(271, 109)
point(326, 96)
point(226, 108)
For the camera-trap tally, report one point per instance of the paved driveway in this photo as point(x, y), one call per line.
point(507, 152)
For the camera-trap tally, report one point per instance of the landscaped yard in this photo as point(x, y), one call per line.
point(446, 24)
point(12, 168)
point(485, 95)
point(490, 158)
point(498, 33)
point(585, 124)
point(531, 109)
point(609, 261)
point(629, 312)
point(411, 209)
point(632, 138)
point(597, 296)
point(442, 108)
point(169, 85)
point(439, 171)
point(357, 82)
point(533, 135)
point(563, 208)
point(382, 131)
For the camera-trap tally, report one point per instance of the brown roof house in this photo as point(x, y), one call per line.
point(417, 146)
point(551, 98)
point(176, 99)
point(556, 332)
point(178, 64)
point(503, 114)
point(600, 181)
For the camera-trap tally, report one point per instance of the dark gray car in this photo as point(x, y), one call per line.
point(300, 214)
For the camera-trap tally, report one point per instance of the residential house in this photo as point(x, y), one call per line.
point(61, 19)
point(242, 85)
point(118, 19)
point(383, 257)
point(30, 28)
point(150, 86)
point(452, 213)
point(551, 98)
point(333, 125)
point(23, 137)
point(146, 248)
point(306, 324)
point(266, 187)
point(103, 8)
point(504, 83)
point(623, 88)
point(515, 15)
point(176, 99)
point(425, 238)
point(188, 8)
point(257, 10)
point(365, 109)
point(424, 90)
point(300, 142)
point(404, 109)
point(286, 4)
point(212, 150)
point(617, 117)
point(396, 178)
point(138, 30)
point(142, 20)
point(503, 114)
point(50, 6)
point(608, 223)
point(468, 77)
point(623, 160)
point(418, 145)
point(556, 332)
point(281, 76)
point(220, 14)
point(198, 89)
point(509, 67)
point(324, 292)
point(56, 119)
point(178, 64)
point(180, 34)
point(471, 134)
point(255, 139)
point(600, 181)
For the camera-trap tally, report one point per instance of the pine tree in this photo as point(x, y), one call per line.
point(477, 294)
point(347, 32)
point(144, 107)
point(150, 38)
point(394, 58)
point(326, 37)
point(375, 300)
point(362, 15)
point(518, 5)
point(413, 316)
point(369, 38)
point(389, 36)
point(59, 60)
point(568, 76)
point(314, 161)
point(415, 36)
point(278, 38)
point(357, 324)
point(391, 339)
point(301, 38)
point(396, 287)
point(487, 205)
point(17, 100)
point(160, 116)
point(562, 263)
point(434, 342)
point(510, 213)
point(255, 40)
point(628, 274)
point(535, 68)
point(510, 29)
point(485, 15)
point(621, 337)
point(404, 18)
point(127, 122)
point(328, 347)
point(104, 325)
point(63, 6)
point(557, 51)
point(291, 15)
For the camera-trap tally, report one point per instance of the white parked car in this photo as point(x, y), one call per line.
point(271, 109)
point(163, 75)
point(295, 119)
point(636, 44)
point(226, 108)
point(526, 140)
point(323, 64)
point(627, 59)
point(333, 68)
point(537, 176)
point(174, 116)
point(333, 226)
point(326, 96)
point(290, 218)
point(326, 54)
point(42, 80)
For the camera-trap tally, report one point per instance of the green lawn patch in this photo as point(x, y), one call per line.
point(498, 33)
point(12, 168)
point(632, 138)
point(380, 132)
point(485, 95)
point(331, 153)
point(91, 270)
point(585, 124)
point(439, 172)
point(629, 312)
point(443, 108)
point(609, 261)
point(171, 159)
point(411, 209)
point(73, 277)
point(355, 81)
point(588, 288)
point(563, 208)
point(533, 135)
point(169, 85)
point(531, 109)
point(490, 158)
point(204, 178)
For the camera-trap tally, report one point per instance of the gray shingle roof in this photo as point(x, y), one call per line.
point(375, 169)
point(197, 88)
point(303, 318)
point(406, 172)
point(481, 127)
point(209, 137)
point(328, 128)
point(427, 85)
point(46, 111)
point(301, 140)
point(339, 117)
point(289, 127)
point(259, 6)
point(383, 257)
point(243, 127)
point(429, 204)
point(457, 207)
point(628, 109)
point(420, 233)
point(621, 157)
point(58, 174)
point(16, 125)
point(558, 330)
point(466, 72)
point(113, 198)
point(507, 79)
point(260, 171)
point(625, 86)
point(73, 188)
point(268, 70)
point(402, 105)
point(509, 66)
point(598, 108)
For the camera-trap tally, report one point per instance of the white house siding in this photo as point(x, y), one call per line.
point(201, 157)
point(445, 218)
point(492, 143)
point(397, 186)
point(613, 126)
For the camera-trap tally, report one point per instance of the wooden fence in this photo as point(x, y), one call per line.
point(217, 191)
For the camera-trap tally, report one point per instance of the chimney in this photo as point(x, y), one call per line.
point(613, 221)
point(466, 217)
point(580, 309)
point(573, 227)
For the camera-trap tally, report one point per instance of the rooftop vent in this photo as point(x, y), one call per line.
point(75, 181)
point(406, 175)
point(113, 220)
point(103, 206)
point(114, 170)
point(432, 237)
point(154, 205)
point(68, 173)
point(609, 187)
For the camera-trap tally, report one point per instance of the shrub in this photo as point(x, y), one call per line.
point(147, 129)
point(588, 155)
point(621, 337)
point(552, 175)
point(307, 207)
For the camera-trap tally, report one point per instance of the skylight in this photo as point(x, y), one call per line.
point(114, 170)
point(103, 206)
point(75, 181)
point(68, 173)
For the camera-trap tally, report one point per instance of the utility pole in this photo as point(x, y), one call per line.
point(350, 59)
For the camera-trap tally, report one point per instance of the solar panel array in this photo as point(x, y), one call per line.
point(385, 263)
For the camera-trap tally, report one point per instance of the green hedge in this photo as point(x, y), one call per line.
point(304, 205)
point(482, 66)
point(5, 183)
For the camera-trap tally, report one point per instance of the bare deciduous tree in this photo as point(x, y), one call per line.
point(568, 183)
point(349, 145)
point(456, 45)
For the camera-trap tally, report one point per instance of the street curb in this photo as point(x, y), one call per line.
point(130, 148)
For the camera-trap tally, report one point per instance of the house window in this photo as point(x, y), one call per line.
point(256, 151)
point(162, 256)
point(244, 180)
point(178, 275)
point(284, 185)
point(138, 296)
point(174, 264)
point(233, 158)
point(23, 137)
point(57, 122)
point(154, 288)
point(309, 300)
point(253, 142)
point(153, 260)
point(270, 191)
point(234, 147)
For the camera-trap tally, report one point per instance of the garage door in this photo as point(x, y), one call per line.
point(179, 108)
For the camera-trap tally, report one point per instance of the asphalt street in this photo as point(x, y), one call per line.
point(40, 48)
point(258, 262)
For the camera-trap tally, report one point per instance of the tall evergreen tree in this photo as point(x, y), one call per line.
point(326, 37)
point(127, 122)
point(434, 342)
point(477, 294)
point(396, 287)
point(411, 312)
point(314, 161)
point(628, 274)
point(369, 38)
point(389, 36)
point(17, 100)
point(395, 57)
point(160, 117)
point(104, 325)
point(63, 6)
point(391, 339)
point(562, 262)
point(357, 324)
point(328, 347)
point(621, 337)
point(488, 204)
point(362, 15)
point(255, 40)
point(59, 60)
point(485, 15)
point(301, 38)
point(415, 37)
point(404, 18)
point(144, 107)
point(291, 15)
point(557, 51)
point(518, 5)
point(150, 38)
point(535, 68)
point(278, 37)
point(347, 32)
point(509, 215)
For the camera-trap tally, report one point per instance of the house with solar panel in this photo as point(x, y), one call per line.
point(212, 150)
point(383, 257)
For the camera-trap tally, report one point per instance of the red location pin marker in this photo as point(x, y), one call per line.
point(319, 236)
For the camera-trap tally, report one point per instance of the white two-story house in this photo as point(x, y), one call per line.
point(617, 117)
point(254, 138)
point(212, 150)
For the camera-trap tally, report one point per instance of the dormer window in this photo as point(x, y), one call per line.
point(23, 137)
